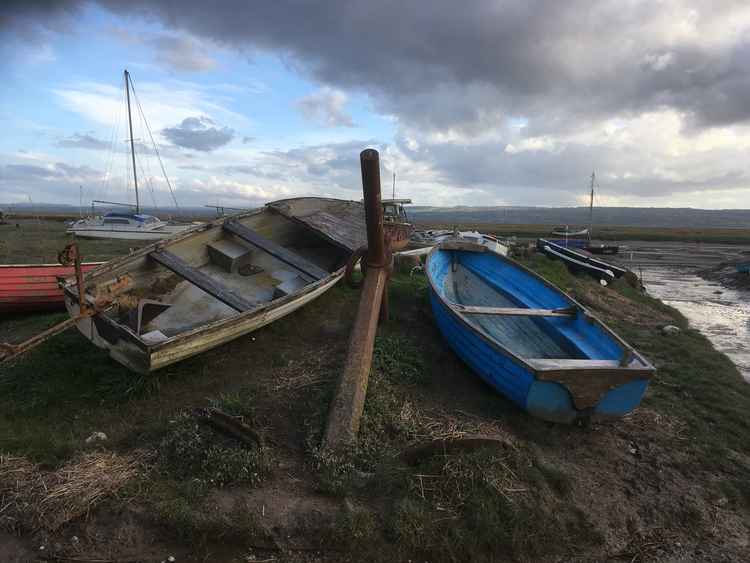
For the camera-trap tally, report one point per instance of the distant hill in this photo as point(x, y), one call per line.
point(604, 216)
point(73, 210)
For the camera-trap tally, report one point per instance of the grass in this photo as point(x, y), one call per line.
point(611, 233)
point(35, 242)
point(527, 499)
point(190, 451)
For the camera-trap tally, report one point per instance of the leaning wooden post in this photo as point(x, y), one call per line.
point(349, 400)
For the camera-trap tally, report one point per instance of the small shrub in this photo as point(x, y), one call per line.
point(192, 451)
point(399, 360)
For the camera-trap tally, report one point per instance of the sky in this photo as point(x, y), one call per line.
point(474, 103)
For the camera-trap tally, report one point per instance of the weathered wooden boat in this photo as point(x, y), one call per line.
point(529, 340)
point(579, 262)
point(217, 281)
point(34, 287)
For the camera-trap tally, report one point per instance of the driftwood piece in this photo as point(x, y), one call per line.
point(229, 425)
point(443, 446)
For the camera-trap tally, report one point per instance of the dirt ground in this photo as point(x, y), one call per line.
point(667, 483)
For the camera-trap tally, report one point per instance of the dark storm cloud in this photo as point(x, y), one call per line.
point(458, 72)
point(517, 58)
point(181, 53)
point(199, 133)
point(520, 58)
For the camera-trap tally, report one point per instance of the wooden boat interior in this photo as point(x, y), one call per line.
point(523, 314)
point(209, 274)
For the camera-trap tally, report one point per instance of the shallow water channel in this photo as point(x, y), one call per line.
point(720, 313)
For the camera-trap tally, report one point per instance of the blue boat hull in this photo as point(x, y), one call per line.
point(510, 375)
point(743, 268)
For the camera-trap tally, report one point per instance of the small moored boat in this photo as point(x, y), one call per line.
point(218, 281)
point(34, 287)
point(529, 340)
point(579, 262)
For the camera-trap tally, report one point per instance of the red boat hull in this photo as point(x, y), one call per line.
point(34, 287)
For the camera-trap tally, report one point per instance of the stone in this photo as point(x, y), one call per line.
point(97, 437)
point(669, 330)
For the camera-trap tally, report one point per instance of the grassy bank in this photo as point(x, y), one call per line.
point(32, 241)
point(609, 233)
point(670, 481)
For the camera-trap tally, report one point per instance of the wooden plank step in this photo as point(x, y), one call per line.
point(512, 311)
point(287, 256)
point(201, 280)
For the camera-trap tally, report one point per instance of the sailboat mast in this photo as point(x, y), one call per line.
point(394, 184)
point(132, 141)
point(591, 206)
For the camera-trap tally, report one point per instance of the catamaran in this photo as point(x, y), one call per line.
point(131, 224)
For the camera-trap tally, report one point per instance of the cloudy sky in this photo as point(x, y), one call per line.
point(472, 103)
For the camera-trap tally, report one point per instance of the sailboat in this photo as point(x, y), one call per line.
point(130, 224)
point(597, 248)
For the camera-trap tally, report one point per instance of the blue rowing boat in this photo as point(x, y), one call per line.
point(529, 340)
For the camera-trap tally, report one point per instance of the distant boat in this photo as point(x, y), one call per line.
point(579, 262)
point(216, 282)
point(600, 248)
point(131, 225)
point(398, 228)
point(529, 340)
point(743, 267)
point(585, 244)
point(34, 287)
point(425, 240)
point(566, 231)
point(125, 225)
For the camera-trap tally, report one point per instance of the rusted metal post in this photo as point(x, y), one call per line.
point(349, 400)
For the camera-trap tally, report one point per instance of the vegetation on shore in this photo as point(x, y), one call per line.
point(610, 233)
point(672, 480)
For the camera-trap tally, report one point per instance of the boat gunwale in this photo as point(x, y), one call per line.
point(179, 338)
point(647, 369)
point(51, 265)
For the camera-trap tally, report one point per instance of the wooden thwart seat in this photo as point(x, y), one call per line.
point(202, 281)
point(304, 266)
point(513, 311)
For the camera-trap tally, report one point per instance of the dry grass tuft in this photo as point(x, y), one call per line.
point(439, 425)
point(33, 498)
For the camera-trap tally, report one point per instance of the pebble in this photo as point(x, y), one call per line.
point(97, 437)
point(669, 330)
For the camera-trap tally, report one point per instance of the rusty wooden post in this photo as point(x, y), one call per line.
point(349, 400)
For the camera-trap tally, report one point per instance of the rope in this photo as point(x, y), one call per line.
point(153, 142)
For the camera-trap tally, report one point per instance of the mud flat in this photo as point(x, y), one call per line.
point(699, 280)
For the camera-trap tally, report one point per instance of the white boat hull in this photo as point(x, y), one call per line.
point(104, 233)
